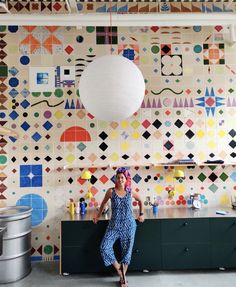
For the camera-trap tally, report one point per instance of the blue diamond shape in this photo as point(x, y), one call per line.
point(13, 71)
point(137, 178)
point(25, 104)
point(25, 126)
point(113, 179)
point(13, 115)
point(13, 93)
point(36, 136)
point(233, 176)
point(25, 93)
point(47, 125)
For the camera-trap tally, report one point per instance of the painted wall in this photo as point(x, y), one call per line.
point(188, 113)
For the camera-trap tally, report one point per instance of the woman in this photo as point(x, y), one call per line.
point(122, 224)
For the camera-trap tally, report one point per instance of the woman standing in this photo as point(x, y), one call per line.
point(122, 224)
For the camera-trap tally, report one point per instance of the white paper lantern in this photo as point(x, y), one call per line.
point(112, 88)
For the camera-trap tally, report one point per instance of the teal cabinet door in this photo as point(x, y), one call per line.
point(185, 256)
point(74, 233)
point(80, 246)
point(76, 259)
point(185, 230)
point(223, 255)
point(223, 229)
point(147, 246)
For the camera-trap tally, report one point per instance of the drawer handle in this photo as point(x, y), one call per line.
point(185, 223)
point(186, 249)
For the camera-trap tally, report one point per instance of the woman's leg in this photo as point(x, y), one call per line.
point(127, 242)
point(106, 248)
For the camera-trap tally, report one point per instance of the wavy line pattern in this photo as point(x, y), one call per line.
point(45, 101)
point(166, 89)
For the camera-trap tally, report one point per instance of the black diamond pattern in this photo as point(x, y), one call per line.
point(233, 154)
point(168, 145)
point(13, 159)
point(125, 156)
point(48, 158)
point(59, 158)
point(37, 158)
point(103, 135)
point(103, 157)
point(168, 134)
point(212, 176)
point(93, 179)
point(232, 144)
point(189, 134)
point(169, 156)
point(211, 155)
point(81, 157)
point(157, 124)
point(70, 180)
point(103, 146)
point(25, 159)
point(190, 156)
point(178, 123)
point(147, 156)
point(165, 49)
point(146, 135)
point(232, 133)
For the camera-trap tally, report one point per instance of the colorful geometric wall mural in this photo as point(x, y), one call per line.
point(188, 112)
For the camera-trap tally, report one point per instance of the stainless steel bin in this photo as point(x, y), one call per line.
point(15, 243)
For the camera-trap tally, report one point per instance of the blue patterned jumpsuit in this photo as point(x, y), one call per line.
point(121, 226)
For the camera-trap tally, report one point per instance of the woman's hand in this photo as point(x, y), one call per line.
point(140, 218)
point(95, 218)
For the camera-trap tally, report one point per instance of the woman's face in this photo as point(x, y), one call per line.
point(120, 179)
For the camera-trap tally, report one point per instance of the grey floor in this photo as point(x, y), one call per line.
point(47, 274)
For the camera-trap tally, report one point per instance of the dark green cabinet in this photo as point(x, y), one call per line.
point(80, 247)
point(223, 238)
point(147, 246)
point(160, 244)
point(185, 243)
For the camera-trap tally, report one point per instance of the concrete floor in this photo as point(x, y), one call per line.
point(47, 274)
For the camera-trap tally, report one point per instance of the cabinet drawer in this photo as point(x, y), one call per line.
point(79, 259)
point(185, 256)
point(146, 255)
point(74, 233)
point(223, 255)
point(150, 230)
point(223, 229)
point(185, 230)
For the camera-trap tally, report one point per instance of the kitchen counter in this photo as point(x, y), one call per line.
point(163, 213)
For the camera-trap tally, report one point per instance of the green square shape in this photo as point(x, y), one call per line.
point(3, 71)
point(222, 61)
point(206, 62)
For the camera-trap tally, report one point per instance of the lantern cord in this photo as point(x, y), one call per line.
point(110, 8)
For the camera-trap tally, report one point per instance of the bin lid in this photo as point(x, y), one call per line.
point(12, 211)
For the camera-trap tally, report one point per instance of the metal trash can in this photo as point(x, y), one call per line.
point(15, 243)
